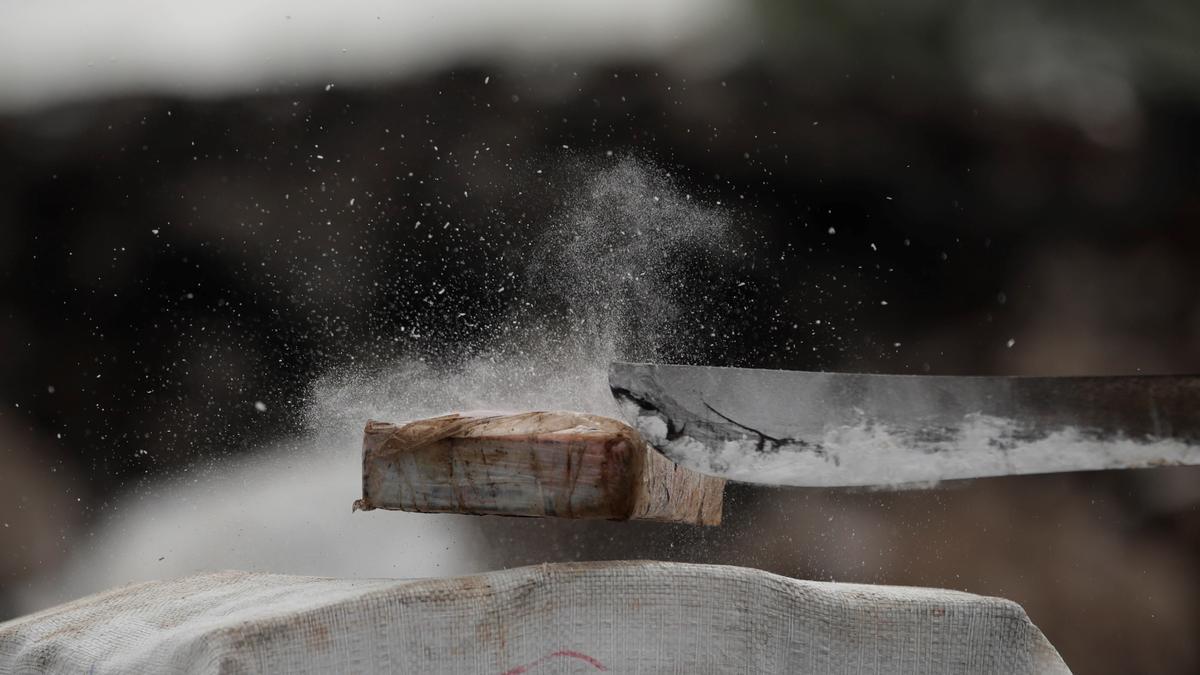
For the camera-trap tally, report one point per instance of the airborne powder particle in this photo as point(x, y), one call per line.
point(605, 282)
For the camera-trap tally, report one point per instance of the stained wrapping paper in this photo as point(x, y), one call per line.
point(620, 617)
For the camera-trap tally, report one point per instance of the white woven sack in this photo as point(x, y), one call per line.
point(643, 617)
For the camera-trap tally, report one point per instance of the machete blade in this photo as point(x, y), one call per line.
point(783, 427)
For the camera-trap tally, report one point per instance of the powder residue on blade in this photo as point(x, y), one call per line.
point(875, 455)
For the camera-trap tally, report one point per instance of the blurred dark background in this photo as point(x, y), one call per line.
point(944, 187)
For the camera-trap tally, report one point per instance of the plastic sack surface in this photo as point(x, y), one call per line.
point(620, 617)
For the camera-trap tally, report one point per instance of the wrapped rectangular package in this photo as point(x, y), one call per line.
point(537, 464)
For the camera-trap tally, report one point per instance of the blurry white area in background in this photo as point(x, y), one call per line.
point(1072, 72)
point(284, 510)
point(63, 50)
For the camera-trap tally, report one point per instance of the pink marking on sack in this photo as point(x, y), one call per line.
point(520, 670)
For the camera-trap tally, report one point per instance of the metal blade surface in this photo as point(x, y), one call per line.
point(843, 429)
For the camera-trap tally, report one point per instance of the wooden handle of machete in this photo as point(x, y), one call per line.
point(556, 464)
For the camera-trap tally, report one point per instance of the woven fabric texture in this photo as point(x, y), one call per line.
point(641, 617)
